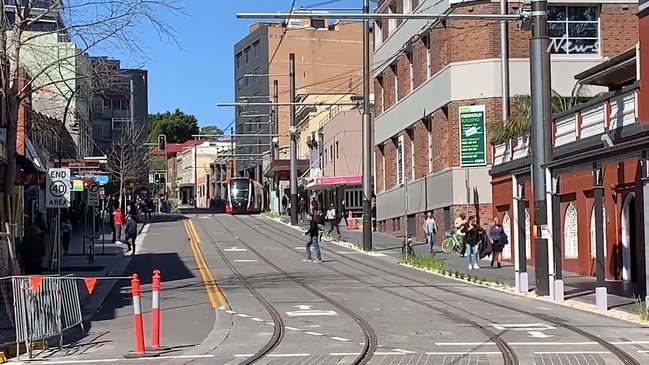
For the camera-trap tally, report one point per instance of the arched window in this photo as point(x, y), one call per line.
point(528, 235)
point(592, 232)
point(570, 237)
point(507, 228)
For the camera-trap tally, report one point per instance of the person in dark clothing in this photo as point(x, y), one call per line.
point(66, 235)
point(301, 206)
point(313, 232)
point(32, 251)
point(130, 231)
point(41, 223)
point(472, 238)
point(343, 213)
point(498, 241)
point(373, 214)
point(320, 220)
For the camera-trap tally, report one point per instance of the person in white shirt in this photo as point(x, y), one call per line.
point(332, 217)
point(430, 230)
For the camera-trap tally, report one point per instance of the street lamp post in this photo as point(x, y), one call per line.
point(293, 143)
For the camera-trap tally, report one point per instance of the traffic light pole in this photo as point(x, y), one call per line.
point(293, 142)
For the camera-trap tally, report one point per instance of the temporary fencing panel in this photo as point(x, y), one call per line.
point(45, 306)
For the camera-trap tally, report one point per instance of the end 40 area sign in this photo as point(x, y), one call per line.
point(58, 188)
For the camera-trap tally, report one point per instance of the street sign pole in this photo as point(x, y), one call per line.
point(57, 196)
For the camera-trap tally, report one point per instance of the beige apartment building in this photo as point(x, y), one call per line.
point(328, 60)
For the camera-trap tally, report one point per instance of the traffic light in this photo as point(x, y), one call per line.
point(156, 178)
point(163, 178)
point(162, 142)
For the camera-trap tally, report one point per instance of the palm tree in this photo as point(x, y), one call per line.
point(520, 122)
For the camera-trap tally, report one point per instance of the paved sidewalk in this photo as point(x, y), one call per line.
point(580, 288)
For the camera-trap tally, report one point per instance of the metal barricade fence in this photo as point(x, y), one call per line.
point(44, 307)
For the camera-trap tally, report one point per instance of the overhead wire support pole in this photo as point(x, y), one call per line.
point(541, 139)
point(293, 141)
point(367, 135)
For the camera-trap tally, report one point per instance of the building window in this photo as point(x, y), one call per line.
point(255, 49)
point(380, 81)
point(247, 55)
point(393, 68)
point(412, 156)
point(429, 59)
point(237, 60)
point(240, 83)
point(392, 23)
point(570, 236)
point(383, 167)
point(246, 80)
point(337, 151)
point(574, 30)
point(411, 69)
point(429, 127)
point(318, 23)
point(257, 72)
point(331, 153)
point(592, 233)
point(378, 34)
point(407, 6)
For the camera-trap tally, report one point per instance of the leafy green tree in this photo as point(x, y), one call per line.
point(177, 126)
point(520, 122)
point(212, 130)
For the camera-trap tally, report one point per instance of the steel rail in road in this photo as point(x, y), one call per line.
point(622, 355)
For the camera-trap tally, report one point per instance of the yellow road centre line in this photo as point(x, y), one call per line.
point(214, 293)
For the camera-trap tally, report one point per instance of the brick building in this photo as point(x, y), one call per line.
point(428, 73)
point(608, 136)
point(328, 59)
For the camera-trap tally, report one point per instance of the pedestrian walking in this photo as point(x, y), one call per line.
point(32, 251)
point(430, 230)
point(119, 223)
point(333, 220)
point(130, 231)
point(343, 213)
point(472, 238)
point(312, 243)
point(498, 241)
point(320, 220)
point(301, 206)
point(66, 234)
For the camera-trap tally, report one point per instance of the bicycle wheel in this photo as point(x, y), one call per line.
point(411, 251)
point(448, 245)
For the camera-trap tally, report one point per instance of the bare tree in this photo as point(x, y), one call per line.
point(34, 37)
point(129, 155)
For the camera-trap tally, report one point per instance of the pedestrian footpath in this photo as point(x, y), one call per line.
point(577, 287)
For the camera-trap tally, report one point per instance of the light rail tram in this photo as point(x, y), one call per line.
point(245, 196)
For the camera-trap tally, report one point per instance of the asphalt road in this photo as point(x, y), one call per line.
point(274, 308)
point(188, 316)
point(329, 311)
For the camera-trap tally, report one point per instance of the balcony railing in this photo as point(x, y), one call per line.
point(603, 114)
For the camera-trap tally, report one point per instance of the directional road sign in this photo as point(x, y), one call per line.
point(58, 188)
point(93, 194)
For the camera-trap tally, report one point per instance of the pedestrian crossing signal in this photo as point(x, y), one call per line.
point(162, 142)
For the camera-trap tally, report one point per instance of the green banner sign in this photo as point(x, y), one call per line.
point(473, 136)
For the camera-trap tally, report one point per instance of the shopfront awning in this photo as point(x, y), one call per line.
point(282, 168)
point(331, 181)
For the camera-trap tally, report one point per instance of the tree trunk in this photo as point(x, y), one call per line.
point(12, 134)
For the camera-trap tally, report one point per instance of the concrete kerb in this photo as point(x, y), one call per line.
point(571, 303)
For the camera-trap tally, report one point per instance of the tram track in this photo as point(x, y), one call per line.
point(507, 352)
point(622, 355)
point(370, 342)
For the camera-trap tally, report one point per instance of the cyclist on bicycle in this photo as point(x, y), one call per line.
point(430, 229)
point(459, 224)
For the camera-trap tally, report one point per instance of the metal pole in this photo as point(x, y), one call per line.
point(275, 117)
point(232, 152)
point(645, 192)
point(293, 144)
point(541, 137)
point(367, 135)
point(195, 172)
point(600, 289)
point(504, 61)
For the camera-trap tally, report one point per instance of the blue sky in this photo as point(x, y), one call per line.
point(200, 75)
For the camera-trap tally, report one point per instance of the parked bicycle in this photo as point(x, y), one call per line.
point(451, 243)
point(406, 245)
